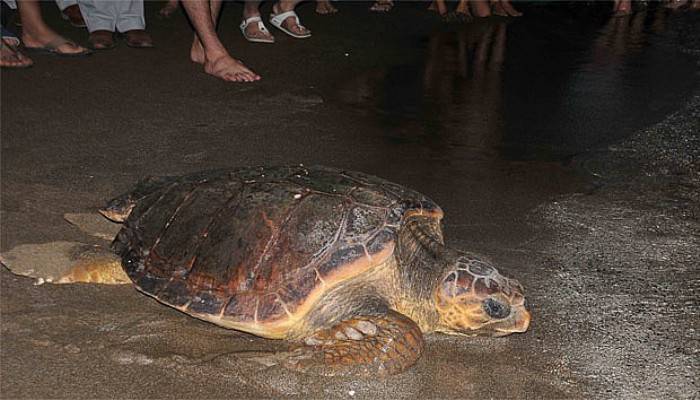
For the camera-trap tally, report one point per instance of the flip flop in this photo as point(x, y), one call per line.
point(101, 40)
point(10, 38)
point(277, 19)
point(138, 39)
point(22, 60)
point(261, 27)
point(52, 48)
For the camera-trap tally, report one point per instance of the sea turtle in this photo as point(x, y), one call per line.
point(350, 267)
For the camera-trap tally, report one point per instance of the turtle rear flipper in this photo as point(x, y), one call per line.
point(364, 345)
point(65, 262)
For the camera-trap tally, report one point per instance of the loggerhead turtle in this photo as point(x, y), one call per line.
point(350, 267)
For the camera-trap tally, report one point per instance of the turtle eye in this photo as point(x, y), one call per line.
point(496, 309)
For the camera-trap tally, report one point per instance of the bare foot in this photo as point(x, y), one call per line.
point(222, 66)
point(505, 9)
point(324, 7)
point(481, 8)
point(10, 57)
point(197, 51)
point(168, 9)
point(64, 47)
point(230, 69)
point(512, 12)
point(622, 8)
point(462, 11)
point(440, 7)
point(675, 4)
point(382, 6)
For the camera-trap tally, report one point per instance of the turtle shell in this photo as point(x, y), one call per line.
point(254, 248)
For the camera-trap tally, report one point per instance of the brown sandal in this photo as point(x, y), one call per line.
point(138, 39)
point(101, 40)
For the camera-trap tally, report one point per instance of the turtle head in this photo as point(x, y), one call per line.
point(473, 298)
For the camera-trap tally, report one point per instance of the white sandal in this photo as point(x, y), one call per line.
point(261, 28)
point(277, 20)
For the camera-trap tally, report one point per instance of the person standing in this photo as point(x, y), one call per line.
point(105, 17)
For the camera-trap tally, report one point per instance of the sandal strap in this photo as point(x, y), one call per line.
point(283, 16)
point(10, 38)
point(11, 42)
point(248, 21)
point(59, 41)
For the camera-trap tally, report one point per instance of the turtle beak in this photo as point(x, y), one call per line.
point(519, 322)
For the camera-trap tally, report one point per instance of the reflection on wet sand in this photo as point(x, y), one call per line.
point(453, 100)
point(463, 78)
point(621, 36)
point(542, 89)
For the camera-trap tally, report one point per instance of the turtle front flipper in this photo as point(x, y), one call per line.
point(364, 345)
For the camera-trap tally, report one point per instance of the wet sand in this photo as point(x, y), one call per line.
point(603, 235)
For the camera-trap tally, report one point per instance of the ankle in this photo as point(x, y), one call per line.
point(282, 7)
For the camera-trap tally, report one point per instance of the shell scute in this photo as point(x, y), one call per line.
point(150, 284)
point(176, 293)
point(189, 226)
point(308, 234)
point(362, 222)
point(243, 306)
point(155, 213)
point(230, 248)
point(372, 196)
point(204, 302)
point(294, 291)
point(270, 308)
point(323, 181)
point(341, 257)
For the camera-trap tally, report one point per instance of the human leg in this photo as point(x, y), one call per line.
point(503, 8)
point(622, 8)
point(132, 22)
point(480, 8)
point(37, 35)
point(100, 18)
point(325, 7)
point(463, 10)
point(168, 9)
point(207, 49)
point(71, 12)
point(289, 24)
point(252, 27)
point(440, 7)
